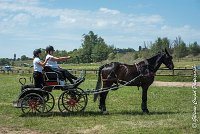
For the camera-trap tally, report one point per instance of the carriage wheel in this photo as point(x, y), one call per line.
point(33, 103)
point(49, 102)
point(83, 92)
point(60, 105)
point(73, 100)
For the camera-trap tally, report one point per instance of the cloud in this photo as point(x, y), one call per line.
point(109, 11)
point(186, 32)
point(101, 23)
point(77, 17)
point(22, 2)
point(67, 18)
point(21, 18)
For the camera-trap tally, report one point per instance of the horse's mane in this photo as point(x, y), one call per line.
point(154, 56)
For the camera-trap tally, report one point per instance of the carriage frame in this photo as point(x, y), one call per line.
point(33, 100)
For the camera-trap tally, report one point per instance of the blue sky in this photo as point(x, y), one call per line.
point(29, 24)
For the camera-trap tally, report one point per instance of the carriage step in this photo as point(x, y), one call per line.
point(17, 104)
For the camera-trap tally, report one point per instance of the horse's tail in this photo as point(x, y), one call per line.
point(98, 85)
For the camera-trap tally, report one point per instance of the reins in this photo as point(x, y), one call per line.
point(114, 87)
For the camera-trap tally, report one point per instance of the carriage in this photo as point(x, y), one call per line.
point(111, 76)
point(41, 100)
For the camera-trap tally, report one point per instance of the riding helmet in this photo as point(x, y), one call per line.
point(36, 52)
point(49, 48)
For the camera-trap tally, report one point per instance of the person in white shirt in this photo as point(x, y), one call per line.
point(38, 67)
point(52, 63)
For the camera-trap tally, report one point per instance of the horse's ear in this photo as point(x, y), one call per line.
point(166, 52)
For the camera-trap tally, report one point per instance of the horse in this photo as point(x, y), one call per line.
point(139, 74)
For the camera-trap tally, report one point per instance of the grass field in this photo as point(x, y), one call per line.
point(171, 111)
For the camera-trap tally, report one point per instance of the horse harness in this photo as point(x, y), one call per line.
point(143, 68)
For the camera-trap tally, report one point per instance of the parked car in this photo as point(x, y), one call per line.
point(7, 68)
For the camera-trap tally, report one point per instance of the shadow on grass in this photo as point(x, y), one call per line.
point(150, 113)
point(97, 113)
point(50, 114)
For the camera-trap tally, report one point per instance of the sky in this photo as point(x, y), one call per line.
point(26, 25)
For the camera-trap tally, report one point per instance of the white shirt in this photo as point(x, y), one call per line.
point(36, 65)
point(51, 62)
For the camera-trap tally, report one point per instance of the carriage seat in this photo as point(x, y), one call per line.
point(52, 77)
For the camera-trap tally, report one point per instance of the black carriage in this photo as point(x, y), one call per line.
point(37, 100)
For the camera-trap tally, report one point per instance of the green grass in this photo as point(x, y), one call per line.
point(81, 66)
point(170, 112)
point(184, 63)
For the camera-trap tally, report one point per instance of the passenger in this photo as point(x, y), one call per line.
point(38, 67)
point(52, 62)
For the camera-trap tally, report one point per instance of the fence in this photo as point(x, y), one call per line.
point(16, 71)
point(161, 72)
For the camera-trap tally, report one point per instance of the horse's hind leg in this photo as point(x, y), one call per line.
point(144, 100)
point(102, 105)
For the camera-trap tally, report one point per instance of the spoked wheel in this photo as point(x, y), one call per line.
point(33, 103)
point(72, 100)
point(84, 94)
point(49, 102)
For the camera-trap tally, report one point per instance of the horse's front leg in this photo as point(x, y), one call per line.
point(144, 100)
point(102, 105)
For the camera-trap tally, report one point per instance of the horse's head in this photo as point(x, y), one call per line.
point(167, 60)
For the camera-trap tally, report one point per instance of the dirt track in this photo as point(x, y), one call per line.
point(174, 84)
point(17, 130)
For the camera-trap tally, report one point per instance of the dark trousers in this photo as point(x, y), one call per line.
point(62, 73)
point(67, 75)
point(38, 79)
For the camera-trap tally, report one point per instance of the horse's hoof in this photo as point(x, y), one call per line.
point(145, 111)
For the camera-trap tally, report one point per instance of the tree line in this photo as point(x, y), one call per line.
point(95, 49)
point(178, 48)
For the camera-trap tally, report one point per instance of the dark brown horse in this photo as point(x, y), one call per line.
point(119, 73)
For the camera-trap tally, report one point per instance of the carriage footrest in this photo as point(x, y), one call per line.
point(18, 104)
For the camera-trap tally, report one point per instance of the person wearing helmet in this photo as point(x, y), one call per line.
point(38, 67)
point(52, 63)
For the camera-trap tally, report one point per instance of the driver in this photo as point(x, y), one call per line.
point(52, 63)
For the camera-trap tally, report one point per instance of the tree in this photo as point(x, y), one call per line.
point(94, 48)
point(101, 50)
point(89, 41)
point(180, 49)
point(14, 57)
point(4, 61)
point(140, 48)
point(194, 49)
point(111, 56)
point(23, 57)
point(160, 44)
